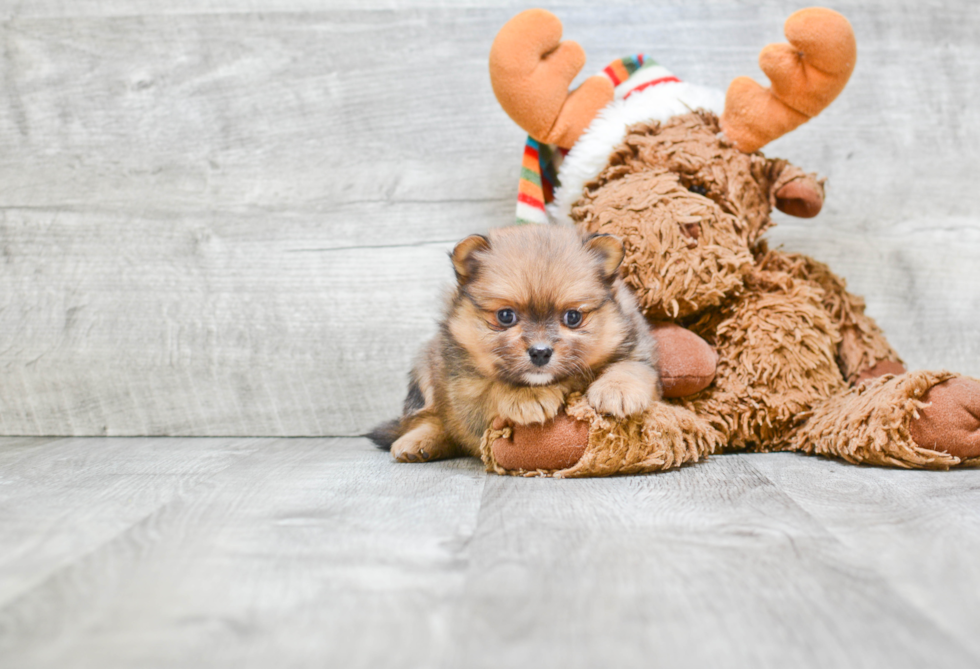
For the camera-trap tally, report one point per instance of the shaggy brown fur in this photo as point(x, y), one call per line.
point(523, 291)
point(791, 341)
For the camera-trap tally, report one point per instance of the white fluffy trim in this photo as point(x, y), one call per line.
point(591, 152)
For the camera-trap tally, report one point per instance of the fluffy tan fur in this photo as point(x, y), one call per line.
point(481, 366)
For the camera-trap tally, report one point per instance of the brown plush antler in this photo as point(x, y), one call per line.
point(806, 75)
point(531, 69)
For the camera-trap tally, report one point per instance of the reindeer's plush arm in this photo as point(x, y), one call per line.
point(863, 352)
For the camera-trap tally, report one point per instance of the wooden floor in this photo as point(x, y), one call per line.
point(176, 552)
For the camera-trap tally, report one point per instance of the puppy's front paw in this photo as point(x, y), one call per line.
point(531, 407)
point(622, 392)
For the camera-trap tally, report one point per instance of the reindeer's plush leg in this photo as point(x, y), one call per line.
point(882, 421)
point(951, 420)
point(584, 443)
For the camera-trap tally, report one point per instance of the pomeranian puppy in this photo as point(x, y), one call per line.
point(538, 312)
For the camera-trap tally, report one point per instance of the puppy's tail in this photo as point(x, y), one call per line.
point(387, 433)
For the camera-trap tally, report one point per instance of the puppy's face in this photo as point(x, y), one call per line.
point(536, 304)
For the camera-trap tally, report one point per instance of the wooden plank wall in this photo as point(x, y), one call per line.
point(231, 218)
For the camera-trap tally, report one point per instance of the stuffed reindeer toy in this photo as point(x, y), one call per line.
point(763, 350)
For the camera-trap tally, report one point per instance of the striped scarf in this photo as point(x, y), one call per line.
point(539, 168)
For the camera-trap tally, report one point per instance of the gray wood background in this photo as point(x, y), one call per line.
point(231, 218)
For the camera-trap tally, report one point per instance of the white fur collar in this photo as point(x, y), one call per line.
point(591, 152)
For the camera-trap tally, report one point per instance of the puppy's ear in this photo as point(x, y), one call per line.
point(609, 250)
point(464, 261)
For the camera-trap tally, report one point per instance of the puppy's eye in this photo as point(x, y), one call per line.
point(698, 188)
point(572, 318)
point(506, 317)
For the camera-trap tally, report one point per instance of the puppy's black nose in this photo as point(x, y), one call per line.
point(540, 354)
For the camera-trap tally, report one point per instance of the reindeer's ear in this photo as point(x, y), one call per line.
point(802, 198)
point(793, 191)
point(465, 262)
point(609, 250)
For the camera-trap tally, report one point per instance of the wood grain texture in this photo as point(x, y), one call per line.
point(230, 217)
point(709, 566)
point(917, 532)
point(250, 554)
point(324, 552)
point(63, 499)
